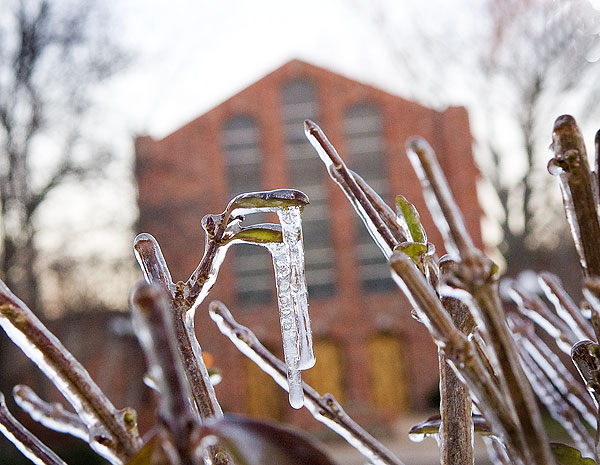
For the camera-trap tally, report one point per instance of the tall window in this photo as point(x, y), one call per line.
point(253, 265)
point(387, 373)
point(366, 156)
point(308, 174)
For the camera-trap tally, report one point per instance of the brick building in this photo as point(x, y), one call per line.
point(375, 358)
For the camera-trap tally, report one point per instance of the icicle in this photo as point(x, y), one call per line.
point(291, 227)
point(290, 333)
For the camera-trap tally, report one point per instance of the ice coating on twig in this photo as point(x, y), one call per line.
point(52, 416)
point(323, 408)
point(30, 446)
point(571, 166)
point(151, 260)
point(338, 171)
point(102, 420)
point(566, 309)
point(439, 198)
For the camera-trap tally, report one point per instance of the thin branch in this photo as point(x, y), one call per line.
point(456, 425)
point(30, 446)
point(324, 408)
point(566, 309)
point(441, 203)
point(152, 317)
point(52, 416)
point(339, 172)
point(462, 353)
point(570, 164)
point(476, 274)
point(69, 376)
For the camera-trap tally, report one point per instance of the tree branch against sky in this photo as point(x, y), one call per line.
point(52, 54)
point(514, 64)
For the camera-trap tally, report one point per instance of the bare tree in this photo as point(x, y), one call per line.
point(513, 63)
point(51, 55)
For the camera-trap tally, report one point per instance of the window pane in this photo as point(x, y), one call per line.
point(243, 160)
point(308, 174)
point(366, 156)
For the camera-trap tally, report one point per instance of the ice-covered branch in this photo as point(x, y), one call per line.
point(339, 172)
point(536, 310)
point(476, 275)
point(570, 164)
point(441, 203)
point(456, 426)
point(152, 263)
point(324, 408)
point(113, 433)
point(52, 416)
point(566, 309)
point(555, 386)
point(30, 446)
point(462, 353)
point(154, 328)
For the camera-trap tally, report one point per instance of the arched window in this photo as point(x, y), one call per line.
point(307, 173)
point(365, 153)
point(243, 162)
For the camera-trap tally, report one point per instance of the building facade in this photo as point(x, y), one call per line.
point(371, 354)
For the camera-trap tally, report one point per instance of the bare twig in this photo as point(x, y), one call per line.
point(52, 416)
point(571, 166)
point(324, 408)
point(456, 425)
point(30, 446)
point(339, 172)
point(118, 433)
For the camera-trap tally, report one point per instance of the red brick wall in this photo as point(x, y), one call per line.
point(182, 177)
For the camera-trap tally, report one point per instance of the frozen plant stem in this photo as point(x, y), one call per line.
point(52, 416)
point(339, 172)
point(150, 259)
point(111, 431)
point(154, 329)
point(324, 408)
point(571, 166)
point(456, 425)
point(476, 274)
point(30, 446)
point(463, 353)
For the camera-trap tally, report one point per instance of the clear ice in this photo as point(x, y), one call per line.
point(292, 299)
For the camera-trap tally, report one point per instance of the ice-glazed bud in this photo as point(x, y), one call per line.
point(409, 218)
point(567, 138)
point(151, 260)
point(267, 201)
point(259, 234)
